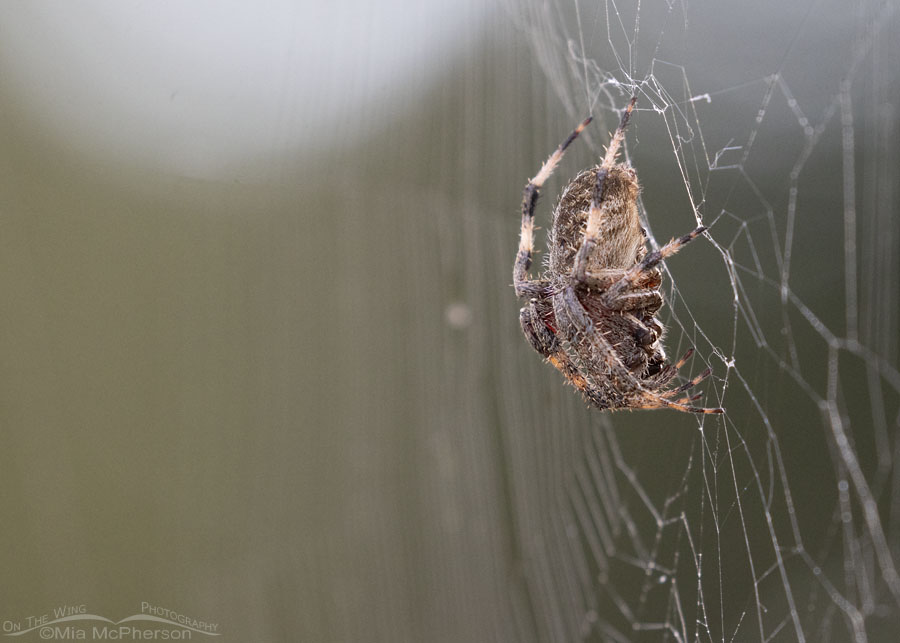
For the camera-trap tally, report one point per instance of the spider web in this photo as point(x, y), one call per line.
point(780, 521)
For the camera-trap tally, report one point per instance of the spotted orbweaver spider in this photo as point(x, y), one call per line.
point(592, 314)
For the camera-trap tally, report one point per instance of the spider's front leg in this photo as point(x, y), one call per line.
point(524, 286)
point(592, 231)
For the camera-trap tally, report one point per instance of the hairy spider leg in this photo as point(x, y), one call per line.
point(542, 338)
point(642, 331)
point(612, 150)
point(688, 385)
point(654, 401)
point(595, 215)
point(640, 299)
point(545, 342)
point(576, 325)
point(637, 272)
point(684, 359)
point(569, 311)
point(524, 286)
point(564, 365)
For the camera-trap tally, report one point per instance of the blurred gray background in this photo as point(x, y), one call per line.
point(261, 359)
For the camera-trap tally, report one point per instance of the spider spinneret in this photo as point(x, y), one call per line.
point(592, 314)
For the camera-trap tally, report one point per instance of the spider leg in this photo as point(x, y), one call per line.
point(644, 333)
point(600, 280)
point(577, 327)
point(545, 342)
point(683, 402)
point(603, 279)
point(634, 274)
point(541, 338)
point(571, 316)
point(657, 402)
point(688, 385)
point(616, 142)
point(595, 217)
point(529, 200)
point(684, 359)
point(649, 300)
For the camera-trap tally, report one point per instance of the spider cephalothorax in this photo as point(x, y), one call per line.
point(593, 313)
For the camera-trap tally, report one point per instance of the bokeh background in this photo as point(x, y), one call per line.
point(261, 358)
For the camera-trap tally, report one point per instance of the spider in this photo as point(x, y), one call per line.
point(592, 314)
